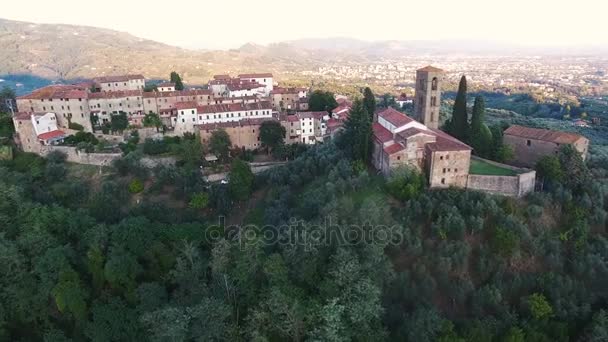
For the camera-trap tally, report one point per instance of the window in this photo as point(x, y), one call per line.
point(434, 83)
point(440, 157)
point(529, 142)
point(398, 157)
point(447, 157)
point(433, 101)
point(455, 170)
point(442, 180)
point(444, 170)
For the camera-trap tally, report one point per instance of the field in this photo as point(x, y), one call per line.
point(479, 167)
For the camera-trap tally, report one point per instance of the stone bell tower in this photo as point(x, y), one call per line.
point(427, 99)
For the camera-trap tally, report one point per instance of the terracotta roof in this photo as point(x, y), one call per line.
point(186, 105)
point(394, 148)
point(23, 116)
point(221, 77)
point(341, 108)
point(244, 86)
point(413, 131)
point(543, 134)
point(56, 92)
point(115, 94)
point(51, 135)
point(395, 117)
point(280, 90)
point(262, 75)
point(430, 68)
point(239, 123)
point(166, 84)
point(332, 123)
point(382, 134)
point(446, 142)
point(118, 78)
point(291, 118)
point(234, 107)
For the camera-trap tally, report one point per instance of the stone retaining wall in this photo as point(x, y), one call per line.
point(517, 186)
point(80, 157)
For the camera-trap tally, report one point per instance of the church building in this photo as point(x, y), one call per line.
point(400, 140)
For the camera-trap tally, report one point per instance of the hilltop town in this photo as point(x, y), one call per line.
point(240, 105)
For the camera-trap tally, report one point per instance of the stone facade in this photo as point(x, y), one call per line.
point(448, 168)
point(428, 96)
point(531, 144)
point(400, 140)
point(243, 133)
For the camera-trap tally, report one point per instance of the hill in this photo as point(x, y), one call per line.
point(66, 51)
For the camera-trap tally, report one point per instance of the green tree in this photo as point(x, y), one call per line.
point(459, 123)
point(7, 95)
point(176, 78)
point(369, 102)
point(405, 183)
point(241, 180)
point(119, 122)
point(356, 138)
point(219, 144)
point(190, 151)
point(322, 101)
point(549, 170)
point(539, 307)
point(152, 120)
point(480, 136)
point(199, 200)
point(272, 134)
point(576, 172)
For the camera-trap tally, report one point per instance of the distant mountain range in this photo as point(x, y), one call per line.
point(55, 51)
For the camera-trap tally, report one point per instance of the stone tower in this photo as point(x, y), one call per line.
point(428, 96)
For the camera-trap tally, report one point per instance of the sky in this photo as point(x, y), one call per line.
point(222, 24)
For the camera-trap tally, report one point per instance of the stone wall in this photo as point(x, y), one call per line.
point(79, 157)
point(517, 186)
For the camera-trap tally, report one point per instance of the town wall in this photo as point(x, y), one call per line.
point(517, 186)
point(80, 157)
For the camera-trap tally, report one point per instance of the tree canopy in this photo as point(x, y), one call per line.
point(319, 101)
point(176, 78)
point(272, 134)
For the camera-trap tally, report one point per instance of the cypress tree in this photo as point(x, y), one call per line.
point(459, 123)
point(369, 101)
point(175, 78)
point(480, 136)
point(356, 139)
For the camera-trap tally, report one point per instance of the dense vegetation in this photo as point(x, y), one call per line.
point(329, 253)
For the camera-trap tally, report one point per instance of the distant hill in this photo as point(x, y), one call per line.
point(55, 52)
point(66, 51)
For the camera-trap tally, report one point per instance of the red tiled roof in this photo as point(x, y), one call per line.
point(332, 123)
point(395, 117)
point(51, 135)
point(382, 134)
point(23, 116)
point(543, 134)
point(446, 142)
point(118, 78)
point(115, 94)
point(166, 84)
point(262, 75)
point(186, 105)
point(239, 123)
point(221, 77)
point(413, 131)
point(394, 148)
point(56, 92)
point(234, 107)
point(430, 68)
point(341, 108)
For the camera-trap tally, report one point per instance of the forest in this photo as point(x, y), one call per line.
point(328, 252)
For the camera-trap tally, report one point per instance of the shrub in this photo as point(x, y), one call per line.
point(199, 200)
point(405, 183)
point(75, 126)
point(136, 186)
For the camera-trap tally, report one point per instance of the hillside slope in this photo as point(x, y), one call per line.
point(67, 51)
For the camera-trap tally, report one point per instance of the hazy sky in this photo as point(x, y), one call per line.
point(230, 23)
